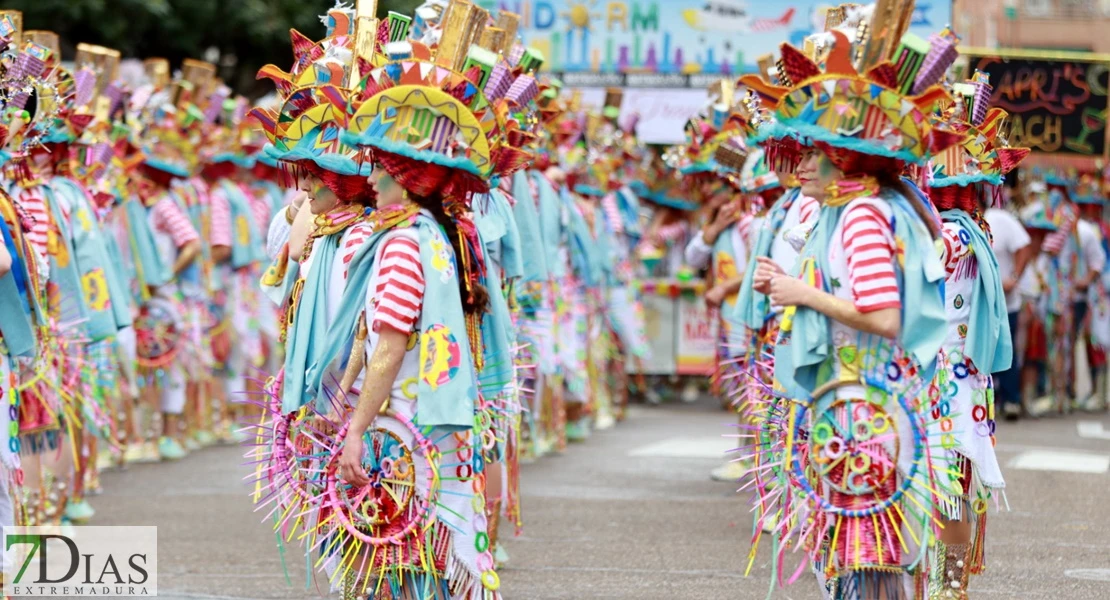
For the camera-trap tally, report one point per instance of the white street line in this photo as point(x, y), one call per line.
point(699, 447)
point(1070, 462)
point(1092, 430)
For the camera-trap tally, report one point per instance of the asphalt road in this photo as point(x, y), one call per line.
point(631, 514)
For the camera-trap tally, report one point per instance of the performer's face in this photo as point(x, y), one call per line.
point(320, 198)
point(815, 173)
point(388, 191)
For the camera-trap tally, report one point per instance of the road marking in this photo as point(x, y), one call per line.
point(699, 447)
point(1092, 430)
point(1089, 574)
point(1070, 462)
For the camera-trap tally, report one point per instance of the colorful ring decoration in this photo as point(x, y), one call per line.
point(158, 338)
point(420, 510)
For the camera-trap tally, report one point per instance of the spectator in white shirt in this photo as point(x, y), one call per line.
point(1014, 252)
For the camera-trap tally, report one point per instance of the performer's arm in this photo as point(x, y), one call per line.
point(5, 260)
point(299, 233)
point(185, 256)
point(382, 370)
point(788, 291)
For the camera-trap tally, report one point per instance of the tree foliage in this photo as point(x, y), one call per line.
point(244, 34)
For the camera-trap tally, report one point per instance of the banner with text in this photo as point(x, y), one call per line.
point(667, 43)
point(1056, 105)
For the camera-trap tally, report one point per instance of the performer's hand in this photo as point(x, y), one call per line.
point(765, 270)
point(715, 296)
point(789, 291)
point(350, 462)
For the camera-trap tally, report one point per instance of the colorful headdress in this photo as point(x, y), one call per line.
point(442, 119)
point(660, 184)
point(1088, 191)
point(873, 94)
point(1035, 216)
point(28, 72)
point(984, 155)
point(304, 132)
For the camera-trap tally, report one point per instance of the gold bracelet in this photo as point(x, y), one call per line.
point(288, 218)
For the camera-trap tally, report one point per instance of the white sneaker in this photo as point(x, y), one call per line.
point(690, 394)
point(604, 421)
point(1042, 406)
point(652, 397)
point(730, 471)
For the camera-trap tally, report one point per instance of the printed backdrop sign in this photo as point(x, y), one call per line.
point(1056, 105)
point(671, 43)
point(697, 337)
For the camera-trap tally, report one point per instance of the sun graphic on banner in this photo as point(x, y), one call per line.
point(580, 14)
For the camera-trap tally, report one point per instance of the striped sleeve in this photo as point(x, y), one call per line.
point(612, 212)
point(745, 228)
point(169, 218)
point(260, 208)
point(221, 219)
point(808, 210)
point(355, 237)
point(869, 245)
point(33, 205)
point(400, 289)
point(1054, 242)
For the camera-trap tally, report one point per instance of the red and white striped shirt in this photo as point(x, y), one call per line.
point(400, 290)
point(355, 237)
point(221, 219)
point(34, 205)
point(167, 217)
point(808, 208)
point(869, 245)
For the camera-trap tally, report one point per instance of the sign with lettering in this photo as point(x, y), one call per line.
point(671, 43)
point(1057, 105)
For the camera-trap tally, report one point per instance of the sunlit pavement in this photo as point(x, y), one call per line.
point(632, 514)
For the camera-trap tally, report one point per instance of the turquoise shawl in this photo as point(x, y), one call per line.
point(246, 241)
point(527, 218)
point(105, 298)
point(501, 241)
point(551, 224)
point(803, 350)
point(988, 342)
point(148, 265)
point(585, 250)
point(752, 307)
point(447, 390)
point(305, 337)
point(63, 272)
point(16, 328)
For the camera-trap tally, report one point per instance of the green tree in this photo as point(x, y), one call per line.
point(245, 34)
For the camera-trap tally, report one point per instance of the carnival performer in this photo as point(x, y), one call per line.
point(56, 386)
point(977, 343)
point(721, 245)
point(780, 228)
point(1091, 211)
point(169, 156)
point(1088, 291)
point(78, 158)
point(406, 315)
point(849, 357)
point(1065, 268)
point(1035, 287)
